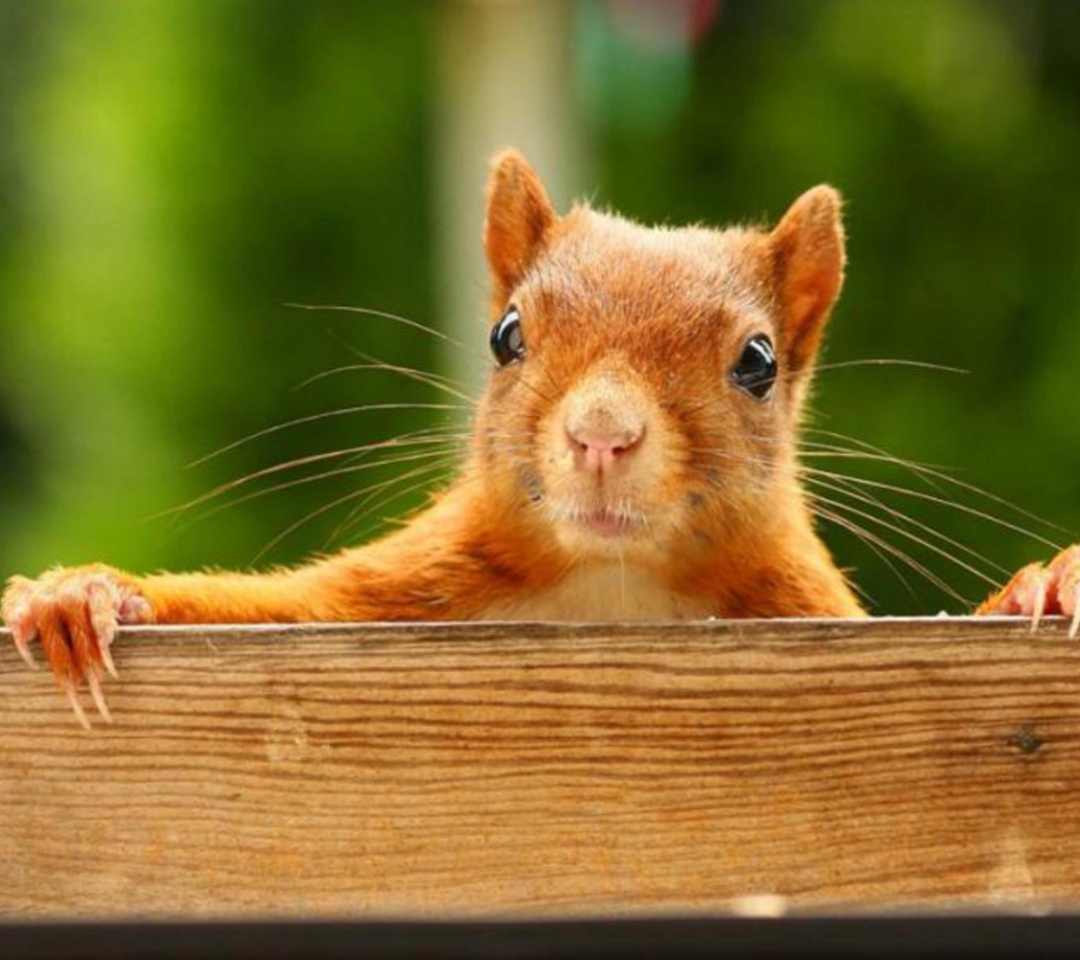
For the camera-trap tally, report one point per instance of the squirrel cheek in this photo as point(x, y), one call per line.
point(564, 459)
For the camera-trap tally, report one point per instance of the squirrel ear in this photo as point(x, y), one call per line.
point(808, 259)
point(519, 216)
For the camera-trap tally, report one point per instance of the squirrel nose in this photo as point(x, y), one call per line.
point(597, 448)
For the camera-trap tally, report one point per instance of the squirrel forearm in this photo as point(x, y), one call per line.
point(283, 596)
point(339, 589)
point(379, 582)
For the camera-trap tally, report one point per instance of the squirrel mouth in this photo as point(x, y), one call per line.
point(609, 523)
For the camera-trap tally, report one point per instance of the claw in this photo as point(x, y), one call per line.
point(94, 684)
point(105, 628)
point(69, 689)
point(1038, 606)
point(22, 644)
point(107, 660)
point(1074, 630)
point(75, 613)
point(102, 619)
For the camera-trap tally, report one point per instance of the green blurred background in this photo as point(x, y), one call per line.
point(173, 173)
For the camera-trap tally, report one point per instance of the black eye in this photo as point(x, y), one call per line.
point(756, 370)
point(507, 342)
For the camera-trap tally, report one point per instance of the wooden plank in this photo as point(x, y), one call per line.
point(479, 769)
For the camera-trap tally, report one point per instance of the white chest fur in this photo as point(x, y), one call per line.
point(607, 591)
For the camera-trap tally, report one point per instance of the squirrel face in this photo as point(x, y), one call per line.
point(648, 381)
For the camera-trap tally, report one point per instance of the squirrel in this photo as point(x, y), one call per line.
point(633, 455)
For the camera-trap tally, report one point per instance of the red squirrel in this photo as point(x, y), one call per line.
point(633, 455)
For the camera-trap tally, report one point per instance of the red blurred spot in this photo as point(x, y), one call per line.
point(664, 23)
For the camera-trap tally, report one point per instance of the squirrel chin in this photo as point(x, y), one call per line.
point(605, 533)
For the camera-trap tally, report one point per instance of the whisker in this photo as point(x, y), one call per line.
point(891, 362)
point(839, 452)
point(941, 501)
point(895, 528)
point(866, 536)
point(325, 475)
point(292, 464)
point(398, 494)
point(842, 487)
point(355, 515)
point(299, 421)
point(292, 528)
point(446, 436)
point(409, 372)
point(383, 314)
point(936, 473)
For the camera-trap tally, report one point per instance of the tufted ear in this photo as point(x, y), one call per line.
point(808, 258)
point(519, 216)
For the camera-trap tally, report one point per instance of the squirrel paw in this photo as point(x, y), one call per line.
point(74, 614)
point(1038, 591)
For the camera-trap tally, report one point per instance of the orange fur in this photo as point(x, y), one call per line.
point(652, 318)
point(629, 332)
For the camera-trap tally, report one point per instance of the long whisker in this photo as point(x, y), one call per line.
point(420, 376)
point(325, 475)
point(845, 488)
point(368, 358)
point(941, 501)
point(325, 508)
point(880, 554)
point(937, 474)
point(839, 452)
point(356, 515)
point(341, 412)
point(863, 534)
point(299, 462)
point(847, 508)
point(360, 517)
point(891, 362)
point(447, 436)
point(384, 314)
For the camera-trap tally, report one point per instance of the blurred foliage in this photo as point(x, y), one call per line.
point(173, 173)
point(182, 171)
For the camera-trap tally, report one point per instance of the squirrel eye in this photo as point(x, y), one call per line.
point(507, 341)
point(756, 370)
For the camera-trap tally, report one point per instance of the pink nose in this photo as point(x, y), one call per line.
point(596, 451)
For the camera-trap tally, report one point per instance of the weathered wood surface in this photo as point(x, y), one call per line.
point(472, 769)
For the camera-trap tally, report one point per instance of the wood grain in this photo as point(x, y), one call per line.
point(486, 769)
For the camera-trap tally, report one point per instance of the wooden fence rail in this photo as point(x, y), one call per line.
point(483, 769)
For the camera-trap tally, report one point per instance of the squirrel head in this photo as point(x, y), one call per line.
point(648, 382)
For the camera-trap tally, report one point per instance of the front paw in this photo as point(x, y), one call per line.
point(74, 614)
point(1038, 591)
